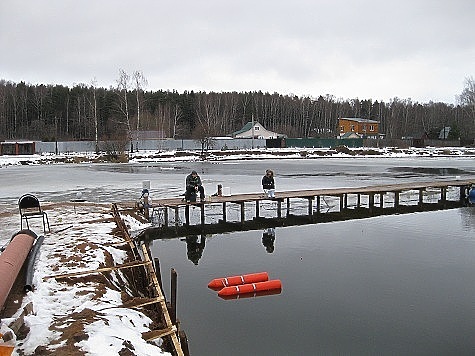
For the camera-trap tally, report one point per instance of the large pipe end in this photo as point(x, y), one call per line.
point(26, 232)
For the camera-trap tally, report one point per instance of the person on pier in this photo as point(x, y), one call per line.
point(193, 186)
point(268, 184)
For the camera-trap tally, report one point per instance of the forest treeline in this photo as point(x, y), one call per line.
point(87, 112)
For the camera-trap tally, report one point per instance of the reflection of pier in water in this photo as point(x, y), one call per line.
point(368, 202)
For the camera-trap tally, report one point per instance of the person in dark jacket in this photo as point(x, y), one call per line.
point(193, 186)
point(268, 184)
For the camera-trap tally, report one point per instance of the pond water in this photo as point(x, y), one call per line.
point(400, 284)
point(123, 182)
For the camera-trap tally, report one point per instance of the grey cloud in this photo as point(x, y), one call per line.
point(302, 46)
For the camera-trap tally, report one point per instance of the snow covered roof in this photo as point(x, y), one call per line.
point(245, 128)
point(350, 135)
point(260, 131)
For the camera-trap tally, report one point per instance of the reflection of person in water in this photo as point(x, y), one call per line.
point(194, 249)
point(268, 238)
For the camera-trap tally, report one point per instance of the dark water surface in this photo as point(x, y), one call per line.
point(392, 285)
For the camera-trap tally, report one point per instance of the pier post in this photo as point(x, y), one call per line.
point(158, 273)
point(243, 215)
point(443, 194)
point(342, 203)
point(165, 216)
point(279, 208)
point(146, 207)
point(184, 343)
point(396, 198)
point(421, 196)
point(202, 208)
point(177, 216)
point(371, 201)
point(173, 289)
point(345, 205)
point(224, 211)
point(257, 208)
point(358, 200)
point(187, 215)
point(381, 200)
point(310, 206)
point(288, 207)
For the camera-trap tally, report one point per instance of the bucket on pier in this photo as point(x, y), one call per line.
point(146, 185)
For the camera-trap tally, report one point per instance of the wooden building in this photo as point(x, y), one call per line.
point(17, 148)
point(364, 128)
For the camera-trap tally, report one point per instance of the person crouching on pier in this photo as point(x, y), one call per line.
point(193, 186)
point(268, 184)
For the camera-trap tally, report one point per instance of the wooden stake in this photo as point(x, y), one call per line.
point(173, 289)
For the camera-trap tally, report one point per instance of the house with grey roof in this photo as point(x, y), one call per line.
point(255, 131)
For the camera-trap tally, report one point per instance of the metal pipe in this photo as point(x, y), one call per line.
point(12, 259)
point(30, 269)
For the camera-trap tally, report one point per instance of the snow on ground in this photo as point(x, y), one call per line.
point(82, 315)
point(257, 153)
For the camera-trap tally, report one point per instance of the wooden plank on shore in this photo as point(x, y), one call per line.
point(142, 302)
point(155, 334)
point(99, 270)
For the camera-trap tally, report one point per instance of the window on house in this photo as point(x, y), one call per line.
point(352, 128)
point(256, 128)
point(371, 127)
point(342, 128)
point(364, 127)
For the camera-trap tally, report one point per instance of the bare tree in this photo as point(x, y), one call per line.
point(96, 134)
point(139, 82)
point(123, 88)
point(178, 113)
point(467, 100)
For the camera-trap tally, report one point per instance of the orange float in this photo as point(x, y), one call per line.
point(251, 288)
point(219, 283)
point(251, 295)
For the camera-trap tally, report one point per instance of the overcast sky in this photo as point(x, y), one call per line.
point(366, 49)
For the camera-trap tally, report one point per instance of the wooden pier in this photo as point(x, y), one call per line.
point(374, 200)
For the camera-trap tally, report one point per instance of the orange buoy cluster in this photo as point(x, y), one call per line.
point(245, 284)
point(251, 288)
